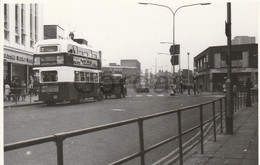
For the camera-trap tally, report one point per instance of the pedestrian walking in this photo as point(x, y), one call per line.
point(23, 90)
point(7, 92)
point(14, 89)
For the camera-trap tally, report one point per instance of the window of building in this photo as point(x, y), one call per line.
point(36, 22)
point(31, 26)
point(17, 20)
point(23, 24)
point(6, 21)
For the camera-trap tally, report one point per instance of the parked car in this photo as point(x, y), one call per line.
point(142, 89)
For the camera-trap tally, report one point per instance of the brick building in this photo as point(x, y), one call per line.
point(211, 67)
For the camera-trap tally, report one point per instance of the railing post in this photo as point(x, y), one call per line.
point(221, 117)
point(180, 137)
point(201, 131)
point(30, 97)
point(244, 98)
point(235, 105)
point(214, 121)
point(59, 144)
point(141, 140)
point(238, 101)
point(241, 96)
point(253, 95)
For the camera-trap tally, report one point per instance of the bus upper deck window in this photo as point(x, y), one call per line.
point(48, 48)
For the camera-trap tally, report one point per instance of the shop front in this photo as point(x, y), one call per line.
point(17, 66)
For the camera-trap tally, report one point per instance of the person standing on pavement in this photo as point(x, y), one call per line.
point(23, 90)
point(7, 92)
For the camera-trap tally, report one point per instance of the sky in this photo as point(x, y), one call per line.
point(124, 29)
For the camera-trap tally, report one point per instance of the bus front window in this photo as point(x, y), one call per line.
point(49, 76)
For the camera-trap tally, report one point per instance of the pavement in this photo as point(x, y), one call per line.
point(29, 100)
point(239, 148)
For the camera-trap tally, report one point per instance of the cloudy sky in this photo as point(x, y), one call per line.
point(124, 29)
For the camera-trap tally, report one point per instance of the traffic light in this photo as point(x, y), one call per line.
point(176, 50)
point(175, 60)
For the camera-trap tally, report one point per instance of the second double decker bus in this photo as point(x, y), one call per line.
point(67, 71)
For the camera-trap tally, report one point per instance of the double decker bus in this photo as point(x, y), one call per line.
point(67, 71)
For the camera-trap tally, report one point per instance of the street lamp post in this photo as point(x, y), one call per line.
point(188, 73)
point(173, 14)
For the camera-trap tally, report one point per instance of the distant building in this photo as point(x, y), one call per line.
point(22, 28)
point(211, 66)
point(238, 40)
point(113, 64)
point(132, 63)
point(53, 32)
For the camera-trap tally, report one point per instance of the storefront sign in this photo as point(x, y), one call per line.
point(234, 70)
point(20, 59)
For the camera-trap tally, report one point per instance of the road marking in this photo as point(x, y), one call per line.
point(28, 152)
point(139, 95)
point(149, 95)
point(160, 95)
point(118, 110)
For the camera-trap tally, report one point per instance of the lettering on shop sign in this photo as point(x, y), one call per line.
point(18, 58)
point(8, 56)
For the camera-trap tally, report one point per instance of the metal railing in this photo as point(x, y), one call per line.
point(60, 137)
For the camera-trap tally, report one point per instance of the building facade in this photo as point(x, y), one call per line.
point(211, 67)
point(53, 32)
point(132, 63)
point(23, 27)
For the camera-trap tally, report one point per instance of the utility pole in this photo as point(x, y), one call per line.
point(229, 95)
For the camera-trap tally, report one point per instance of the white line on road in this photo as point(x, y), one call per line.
point(118, 110)
point(160, 95)
point(139, 95)
point(149, 95)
